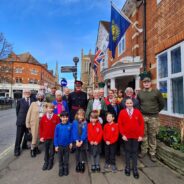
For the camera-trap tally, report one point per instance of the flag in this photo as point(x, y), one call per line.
point(99, 56)
point(118, 27)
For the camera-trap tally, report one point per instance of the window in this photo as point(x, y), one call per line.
point(33, 71)
point(158, 1)
point(18, 80)
point(170, 73)
point(176, 60)
point(121, 46)
point(18, 70)
point(33, 81)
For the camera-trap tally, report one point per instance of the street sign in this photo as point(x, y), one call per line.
point(68, 69)
point(63, 82)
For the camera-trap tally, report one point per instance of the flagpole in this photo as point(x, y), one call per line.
point(124, 16)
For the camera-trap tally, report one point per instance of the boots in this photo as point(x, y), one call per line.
point(65, 170)
point(50, 165)
point(33, 153)
point(78, 167)
point(45, 166)
point(61, 171)
point(82, 167)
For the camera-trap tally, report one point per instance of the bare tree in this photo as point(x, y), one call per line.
point(5, 47)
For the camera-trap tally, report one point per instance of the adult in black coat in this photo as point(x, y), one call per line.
point(21, 112)
point(77, 100)
point(114, 108)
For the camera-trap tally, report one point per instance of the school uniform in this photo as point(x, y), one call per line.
point(131, 125)
point(95, 134)
point(47, 128)
point(111, 134)
point(79, 133)
point(62, 139)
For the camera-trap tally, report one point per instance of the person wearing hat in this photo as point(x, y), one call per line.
point(21, 112)
point(151, 103)
point(50, 97)
point(77, 99)
point(35, 113)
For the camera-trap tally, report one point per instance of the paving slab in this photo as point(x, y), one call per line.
point(120, 177)
point(27, 170)
point(162, 175)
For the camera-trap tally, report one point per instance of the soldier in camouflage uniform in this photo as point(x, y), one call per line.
point(151, 103)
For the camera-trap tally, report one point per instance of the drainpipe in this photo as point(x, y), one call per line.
point(144, 36)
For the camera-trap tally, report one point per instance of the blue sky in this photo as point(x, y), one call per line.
point(54, 30)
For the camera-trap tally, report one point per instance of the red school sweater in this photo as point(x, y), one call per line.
point(47, 126)
point(95, 132)
point(111, 132)
point(131, 126)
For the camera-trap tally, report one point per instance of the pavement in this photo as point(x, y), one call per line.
point(27, 170)
point(7, 128)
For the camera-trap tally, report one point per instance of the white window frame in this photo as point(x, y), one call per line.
point(18, 70)
point(158, 1)
point(34, 71)
point(120, 43)
point(171, 76)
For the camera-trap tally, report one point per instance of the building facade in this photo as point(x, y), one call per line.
point(87, 72)
point(159, 48)
point(23, 71)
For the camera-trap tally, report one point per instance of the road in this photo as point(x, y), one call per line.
point(7, 128)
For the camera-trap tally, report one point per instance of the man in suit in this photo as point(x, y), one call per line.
point(21, 112)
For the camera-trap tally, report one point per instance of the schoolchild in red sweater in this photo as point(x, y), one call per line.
point(95, 134)
point(131, 126)
point(110, 135)
point(47, 128)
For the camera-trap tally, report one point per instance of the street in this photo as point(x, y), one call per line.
point(7, 129)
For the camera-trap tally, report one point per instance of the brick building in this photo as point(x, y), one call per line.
point(23, 71)
point(87, 73)
point(162, 56)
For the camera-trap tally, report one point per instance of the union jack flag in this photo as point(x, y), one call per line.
point(99, 56)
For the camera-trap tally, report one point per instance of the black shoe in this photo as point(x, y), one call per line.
point(78, 169)
point(127, 171)
point(65, 171)
point(17, 153)
point(33, 153)
point(50, 165)
point(93, 168)
point(135, 173)
point(82, 167)
point(98, 168)
point(45, 166)
point(61, 172)
point(25, 147)
point(37, 151)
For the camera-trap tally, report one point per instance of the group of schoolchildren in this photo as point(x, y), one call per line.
point(60, 135)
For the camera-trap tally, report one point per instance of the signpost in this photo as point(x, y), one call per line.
point(68, 69)
point(63, 83)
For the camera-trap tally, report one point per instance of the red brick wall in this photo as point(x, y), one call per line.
point(165, 28)
point(170, 121)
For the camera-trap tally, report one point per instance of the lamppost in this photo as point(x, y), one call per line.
point(75, 60)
